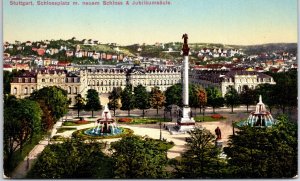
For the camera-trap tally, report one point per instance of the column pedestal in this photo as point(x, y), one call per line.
point(185, 122)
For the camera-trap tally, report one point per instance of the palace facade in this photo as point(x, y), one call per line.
point(102, 80)
point(223, 79)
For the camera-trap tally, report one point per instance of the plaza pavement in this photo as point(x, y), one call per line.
point(150, 130)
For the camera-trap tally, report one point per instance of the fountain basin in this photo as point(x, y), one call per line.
point(87, 135)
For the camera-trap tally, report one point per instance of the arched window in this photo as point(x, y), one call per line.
point(15, 91)
point(69, 90)
point(97, 82)
point(43, 80)
point(239, 89)
point(51, 80)
point(75, 90)
point(32, 89)
point(26, 90)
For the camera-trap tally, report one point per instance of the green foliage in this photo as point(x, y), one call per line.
point(141, 98)
point(231, 97)
point(22, 121)
point(214, 98)
point(80, 103)
point(72, 159)
point(174, 95)
point(93, 101)
point(114, 97)
point(72, 123)
point(201, 158)
point(248, 96)
point(157, 98)
point(54, 103)
point(268, 94)
point(198, 96)
point(61, 130)
point(148, 120)
point(264, 152)
point(127, 98)
point(285, 90)
point(139, 158)
point(7, 78)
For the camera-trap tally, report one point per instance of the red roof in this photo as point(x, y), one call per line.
point(7, 66)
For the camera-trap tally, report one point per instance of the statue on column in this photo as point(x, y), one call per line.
point(185, 46)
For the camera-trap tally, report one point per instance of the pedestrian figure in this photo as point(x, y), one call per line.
point(218, 133)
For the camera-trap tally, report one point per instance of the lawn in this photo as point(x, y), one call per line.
point(145, 120)
point(61, 130)
point(75, 123)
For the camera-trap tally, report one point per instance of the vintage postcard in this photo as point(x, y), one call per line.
point(150, 89)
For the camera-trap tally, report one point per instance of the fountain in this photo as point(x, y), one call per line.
point(105, 126)
point(260, 117)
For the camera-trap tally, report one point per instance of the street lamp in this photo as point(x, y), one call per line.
point(203, 114)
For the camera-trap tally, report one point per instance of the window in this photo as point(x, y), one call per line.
point(43, 80)
point(26, 90)
point(51, 80)
point(69, 90)
point(15, 91)
point(75, 90)
point(32, 89)
point(32, 80)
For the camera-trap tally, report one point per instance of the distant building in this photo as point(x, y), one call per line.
point(223, 79)
point(24, 84)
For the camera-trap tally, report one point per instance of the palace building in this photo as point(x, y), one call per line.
point(223, 79)
point(102, 79)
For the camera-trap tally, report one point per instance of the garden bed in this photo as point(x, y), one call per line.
point(76, 123)
point(212, 118)
point(80, 134)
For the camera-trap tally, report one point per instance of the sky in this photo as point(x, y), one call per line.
point(239, 22)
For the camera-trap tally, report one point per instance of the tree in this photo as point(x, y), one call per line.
point(127, 98)
point(231, 97)
point(93, 101)
point(7, 78)
point(248, 96)
point(201, 97)
point(157, 99)
point(201, 159)
point(268, 94)
point(80, 103)
point(214, 98)
point(264, 152)
point(114, 97)
point(22, 120)
point(72, 159)
point(138, 158)
point(55, 101)
point(285, 90)
point(174, 95)
point(141, 98)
